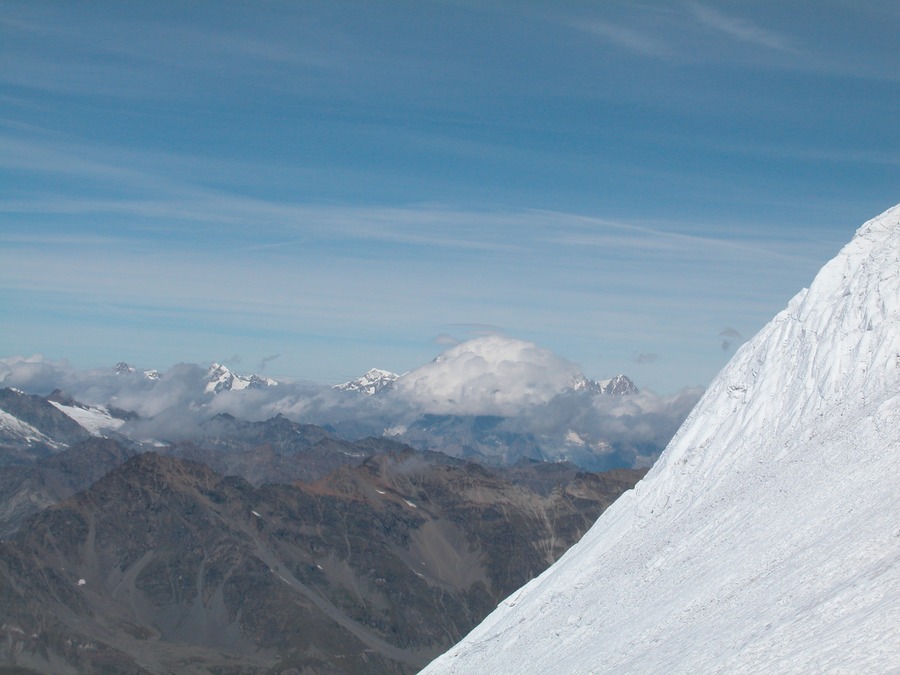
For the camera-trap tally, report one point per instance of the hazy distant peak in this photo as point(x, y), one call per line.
point(373, 382)
point(620, 385)
point(489, 375)
point(122, 368)
point(219, 378)
point(497, 375)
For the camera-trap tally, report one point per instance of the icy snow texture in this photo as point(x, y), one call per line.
point(11, 427)
point(95, 419)
point(767, 536)
point(373, 382)
point(220, 379)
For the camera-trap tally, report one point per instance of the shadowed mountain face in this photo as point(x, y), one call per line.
point(163, 565)
point(32, 428)
point(25, 490)
point(275, 451)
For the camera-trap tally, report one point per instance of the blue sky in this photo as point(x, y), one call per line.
point(317, 188)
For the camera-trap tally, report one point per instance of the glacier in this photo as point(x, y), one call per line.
point(95, 419)
point(766, 538)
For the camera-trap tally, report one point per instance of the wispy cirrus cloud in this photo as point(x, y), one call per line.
point(742, 29)
point(160, 56)
point(638, 42)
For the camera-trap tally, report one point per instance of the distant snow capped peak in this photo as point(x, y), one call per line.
point(122, 368)
point(95, 419)
point(373, 382)
point(491, 375)
point(498, 375)
point(219, 378)
point(620, 385)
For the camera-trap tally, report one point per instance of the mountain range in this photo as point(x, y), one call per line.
point(134, 561)
point(254, 546)
point(765, 538)
point(493, 399)
point(152, 530)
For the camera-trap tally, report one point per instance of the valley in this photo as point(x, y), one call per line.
point(270, 546)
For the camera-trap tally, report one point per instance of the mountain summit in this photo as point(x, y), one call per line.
point(219, 378)
point(765, 538)
point(493, 375)
point(373, 382)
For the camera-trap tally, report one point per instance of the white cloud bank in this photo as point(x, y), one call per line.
point(541, 405)
point(492, 375)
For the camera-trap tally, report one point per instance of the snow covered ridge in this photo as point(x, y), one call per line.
point(11, 427)
point(95, 419)
point(373, 382)
point(220, 379)
point(487, 375)
point(497, 375)
point(122, 368)
point(765, 538)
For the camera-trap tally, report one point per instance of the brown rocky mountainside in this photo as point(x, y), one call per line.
point(26, 489)
point(164, 566)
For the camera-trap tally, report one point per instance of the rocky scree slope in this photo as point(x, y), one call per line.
point(163, 565)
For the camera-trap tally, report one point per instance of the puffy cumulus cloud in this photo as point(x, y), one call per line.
point(491, 375)
point(181, 387)
point(33, 374)
point(37, 375)
point(610, 430)
point(174, 403)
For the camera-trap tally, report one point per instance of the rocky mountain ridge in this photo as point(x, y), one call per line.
point(163, 565)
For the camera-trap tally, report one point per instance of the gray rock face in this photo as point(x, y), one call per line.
point(31, 428)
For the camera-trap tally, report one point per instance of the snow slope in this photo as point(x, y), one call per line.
point(373, 382)
point(219, 379)
point(767, 536)
point(13, 430)
point(95, 419)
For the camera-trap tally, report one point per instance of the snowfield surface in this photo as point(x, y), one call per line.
point(767, 536)
point(371, 383)
point(95, 419)
point(12, 427)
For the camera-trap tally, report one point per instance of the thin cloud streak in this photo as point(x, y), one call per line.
point(649, 238)
point(123, 58)
point(608, 179)
point(742, 29)
point(632, 40)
